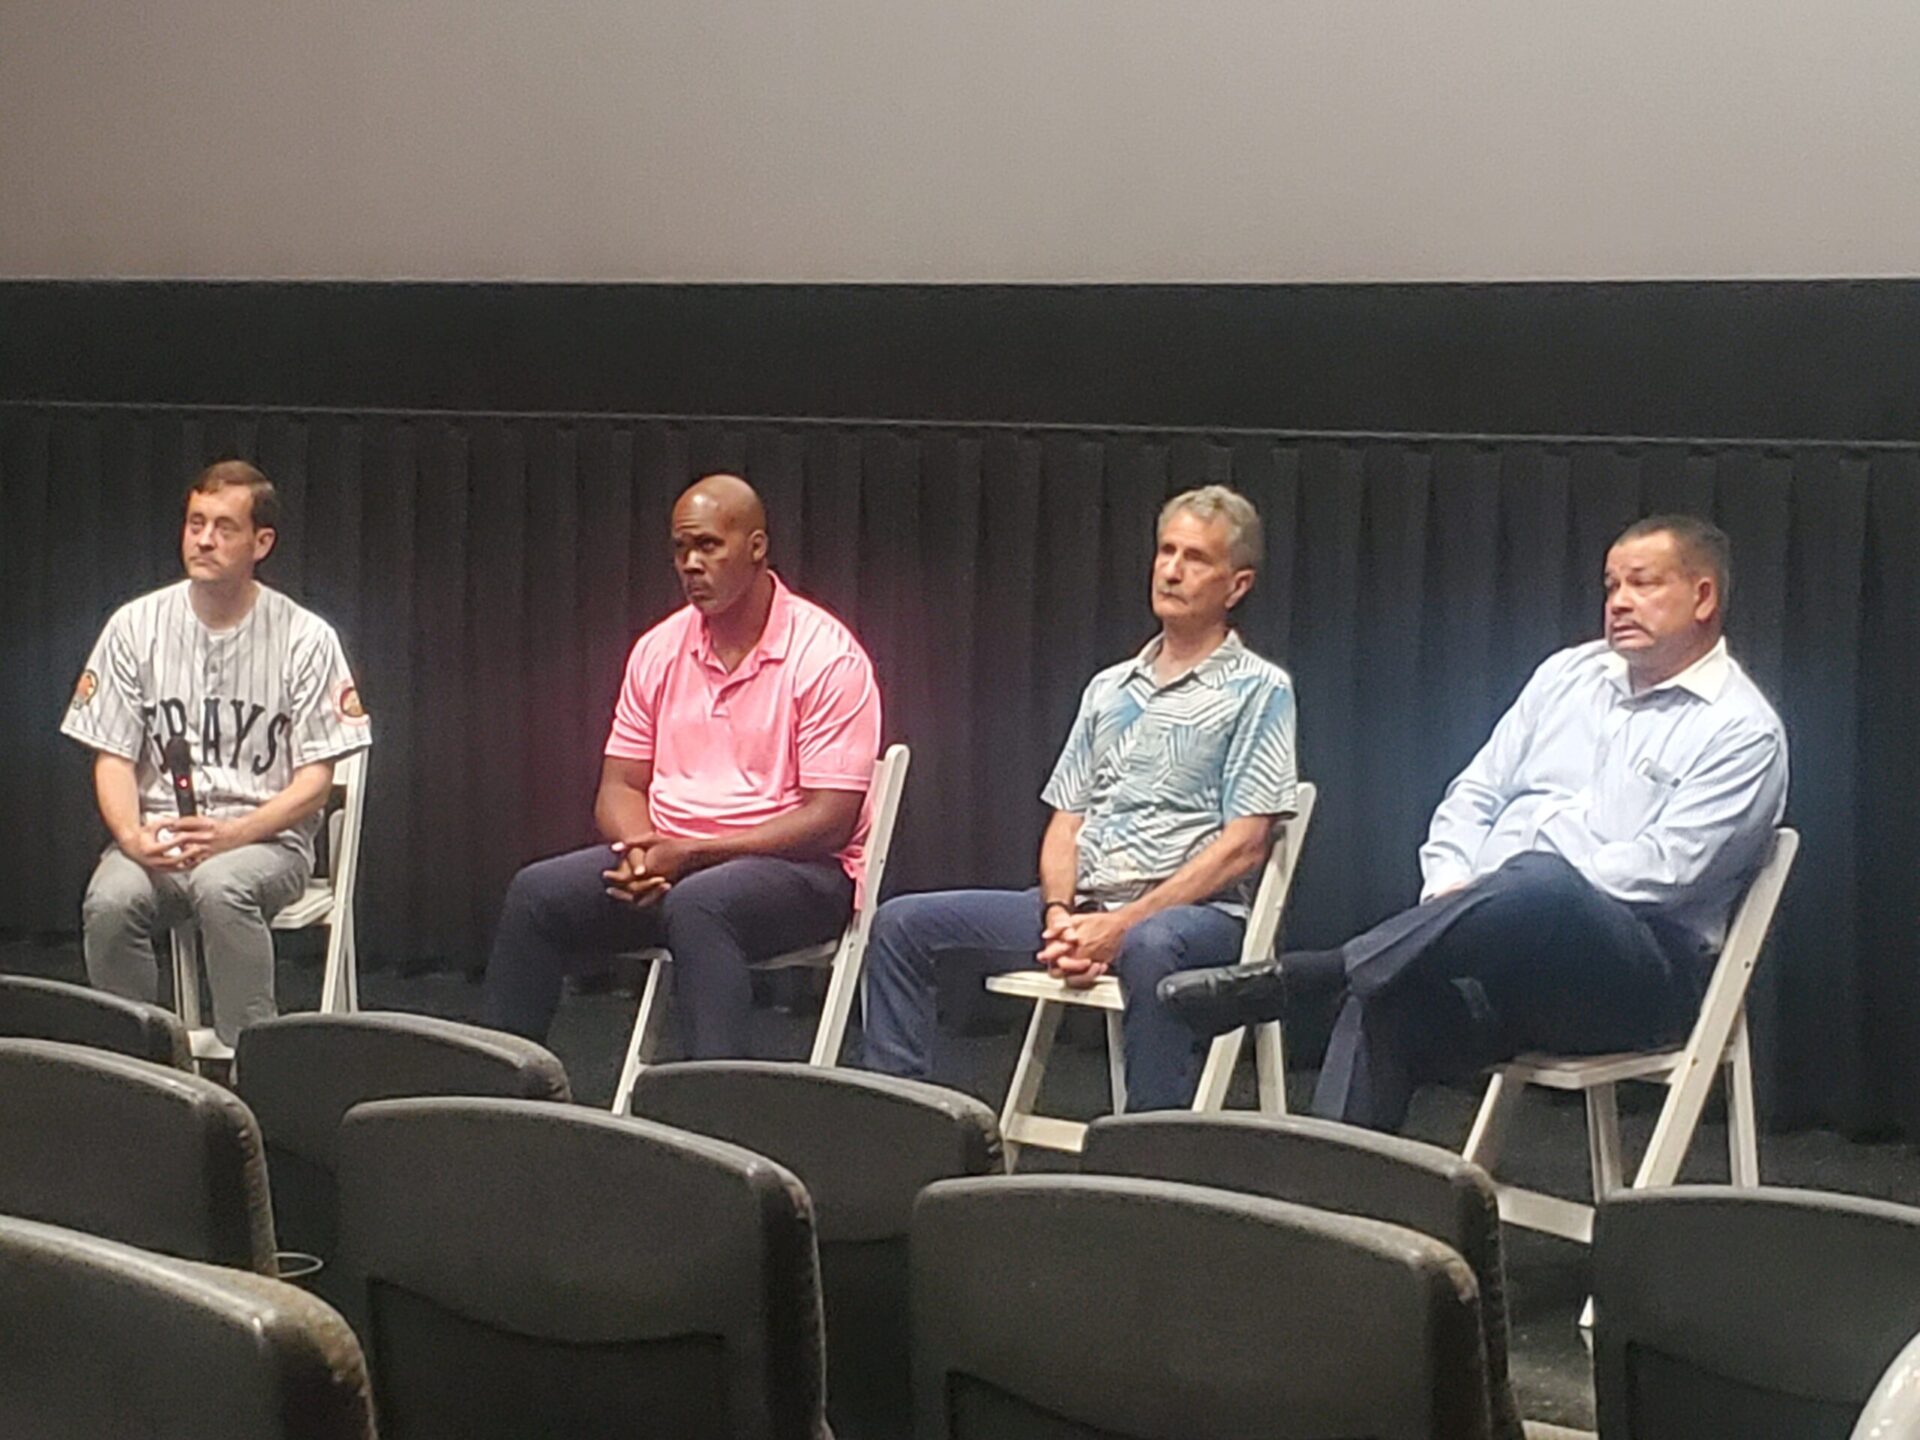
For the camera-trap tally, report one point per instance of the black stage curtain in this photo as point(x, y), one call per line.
point(488, 574)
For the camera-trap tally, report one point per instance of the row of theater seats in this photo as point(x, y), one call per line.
point(513, 1265)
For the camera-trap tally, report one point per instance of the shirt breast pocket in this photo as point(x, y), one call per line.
point(1626, 803)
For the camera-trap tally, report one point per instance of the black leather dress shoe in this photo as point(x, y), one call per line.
point(1222, 999)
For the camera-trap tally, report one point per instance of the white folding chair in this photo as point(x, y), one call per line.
point(1893, 1410)
point(1021, 1124)
point(1719, 1041)
point(327, 900)
point(845, 957)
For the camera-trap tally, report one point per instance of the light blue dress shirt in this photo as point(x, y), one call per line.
point(1157, 770)
point(1664, 800)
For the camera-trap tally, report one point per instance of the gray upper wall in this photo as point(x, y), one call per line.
point(990, 140)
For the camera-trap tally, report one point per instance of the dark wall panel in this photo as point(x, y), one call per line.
point(1833, 360)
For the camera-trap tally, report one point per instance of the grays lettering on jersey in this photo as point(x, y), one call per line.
point(254, 703)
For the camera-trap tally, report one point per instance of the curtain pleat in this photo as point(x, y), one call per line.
point(488, 575)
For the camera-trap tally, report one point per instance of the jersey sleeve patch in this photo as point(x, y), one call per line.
point(347, 705)
point(84, 690)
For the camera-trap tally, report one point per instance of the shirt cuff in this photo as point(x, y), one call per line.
point(836, 779)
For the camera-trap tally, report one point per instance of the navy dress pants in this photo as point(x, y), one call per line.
point(1528, 957)
point(559, 918)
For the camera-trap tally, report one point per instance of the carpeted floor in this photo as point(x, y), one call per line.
point(1547, 1278)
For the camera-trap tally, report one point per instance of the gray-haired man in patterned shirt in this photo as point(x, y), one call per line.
point(259, 691)
point(1164, 799)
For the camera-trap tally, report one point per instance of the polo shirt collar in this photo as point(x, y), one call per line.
point(1705, 678)
point(771, 646)
point(1208, 672)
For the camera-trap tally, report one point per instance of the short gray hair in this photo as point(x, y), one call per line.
point(1216, 502)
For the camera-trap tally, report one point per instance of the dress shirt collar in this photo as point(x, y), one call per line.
point(1706, 677)
point(1208, 672)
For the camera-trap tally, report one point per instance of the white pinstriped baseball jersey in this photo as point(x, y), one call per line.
point(254, 703)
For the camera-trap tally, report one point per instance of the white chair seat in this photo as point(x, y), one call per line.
point(812, 957)
point(204, 1044)
point(312, 908)
point(1021, 1124)
point(1036, 984)
point(1583, 1072)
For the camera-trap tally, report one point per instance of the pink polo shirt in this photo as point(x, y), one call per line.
point(732, 750)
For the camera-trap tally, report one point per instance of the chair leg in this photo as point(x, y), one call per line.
point(1270, 1066)
point(644, 1043)
point(186, 974)
point(1116, 1062)
point(1028, 1072)
point(1743, 1123)
point(1603, 1140)
point(843, 984)
point(350, 961)
point(333, 980)
point(1489, 1132)
point(1217, 1074)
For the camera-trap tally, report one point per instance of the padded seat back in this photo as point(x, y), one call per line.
point(1758, 1314)
point(1333, 1167)
point(106, 1340)
point(865, 1146)
point(540, 1269)
point(131, 1151)
point(35, 1009)
point(301, 1074)
point(1105, 1308)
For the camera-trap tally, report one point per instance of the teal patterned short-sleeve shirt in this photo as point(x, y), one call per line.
point(1156, 771)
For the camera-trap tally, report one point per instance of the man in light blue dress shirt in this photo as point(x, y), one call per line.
point(1580, 873)
point(1164, 800)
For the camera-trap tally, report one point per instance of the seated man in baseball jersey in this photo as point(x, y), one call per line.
point(258, 690)
point(732, 800)
point(1579, 873)
point(1164, 801)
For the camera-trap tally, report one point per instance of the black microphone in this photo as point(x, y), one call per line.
point(180, 768)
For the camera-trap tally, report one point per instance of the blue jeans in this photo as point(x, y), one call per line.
point(912, 933)
point(558, 915)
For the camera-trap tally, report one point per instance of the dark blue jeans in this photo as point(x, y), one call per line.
point(912, 933)
point(558, 917)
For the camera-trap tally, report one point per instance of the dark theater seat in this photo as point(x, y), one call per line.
point(1103, 1308)
point(36, 1009)
point(104, 1341)
point(131, 1151)
point(539, 1269)
point(1764, 1314)
point(864, 1146)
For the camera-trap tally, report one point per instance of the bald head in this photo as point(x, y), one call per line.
point(725, 499)
point(719, 543)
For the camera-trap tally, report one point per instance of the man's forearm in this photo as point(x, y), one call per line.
point(622, 814)
point(1060, 859)
point(1240, 847)
point(304, 794)
point(815, 830)
point(117, 792)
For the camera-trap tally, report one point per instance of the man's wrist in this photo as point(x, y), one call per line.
point(1047, 906)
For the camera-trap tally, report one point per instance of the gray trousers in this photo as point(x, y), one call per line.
point(232, 897)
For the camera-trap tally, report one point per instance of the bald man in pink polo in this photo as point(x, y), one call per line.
point(732, 794)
